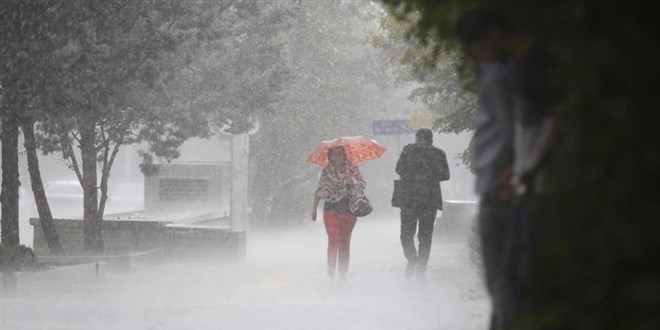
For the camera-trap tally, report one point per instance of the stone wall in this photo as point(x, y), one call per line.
point(119, 236)
point(205, 241)
point(126, 236)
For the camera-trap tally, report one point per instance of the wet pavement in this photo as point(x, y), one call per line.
point(281, 285)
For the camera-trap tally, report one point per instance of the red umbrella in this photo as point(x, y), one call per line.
point(358, 149)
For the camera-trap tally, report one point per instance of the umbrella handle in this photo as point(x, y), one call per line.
point(348, 174)
point(351, 184)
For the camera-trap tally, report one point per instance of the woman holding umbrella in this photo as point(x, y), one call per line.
point(339, 185)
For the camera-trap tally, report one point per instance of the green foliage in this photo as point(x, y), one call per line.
point(107, 59)
point(238, 71)
point(113, 64)
point(431, 64)
point(147, 167)
point(17, 258)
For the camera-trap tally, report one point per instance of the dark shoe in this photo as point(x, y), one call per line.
point(410, 269)
point(421, 272)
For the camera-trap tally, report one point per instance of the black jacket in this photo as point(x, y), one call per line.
point(421, 167)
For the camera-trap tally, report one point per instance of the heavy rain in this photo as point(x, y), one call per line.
point(323, 164)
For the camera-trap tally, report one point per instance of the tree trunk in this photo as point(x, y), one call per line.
point(45, 217)
point(92, 222)
point(10, 182)
point(110, 153)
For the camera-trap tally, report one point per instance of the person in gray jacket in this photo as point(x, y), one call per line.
point(421, 167)
point(511, 129)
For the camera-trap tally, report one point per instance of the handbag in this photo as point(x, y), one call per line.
point(363, 207)
point(400, 193)
point(360, 205)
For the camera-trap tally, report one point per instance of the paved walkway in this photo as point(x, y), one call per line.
point(282, 285)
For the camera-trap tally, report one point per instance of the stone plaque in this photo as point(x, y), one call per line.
point(183, 190)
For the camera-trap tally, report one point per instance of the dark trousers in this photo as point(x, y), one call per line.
point(516, 260)
point(494, 222)
point(410, 217)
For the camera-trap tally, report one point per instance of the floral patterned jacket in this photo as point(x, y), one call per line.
point(334, 184)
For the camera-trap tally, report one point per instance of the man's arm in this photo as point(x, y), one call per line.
point(401, 168)
point(444, 167)
point(546, 148)
point(315, 206)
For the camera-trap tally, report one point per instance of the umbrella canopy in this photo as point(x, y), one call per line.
point(358, 149)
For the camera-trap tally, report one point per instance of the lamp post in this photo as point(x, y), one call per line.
point(240, 150)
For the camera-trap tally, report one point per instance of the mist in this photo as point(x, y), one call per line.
point(281, 285)
point(207, 219)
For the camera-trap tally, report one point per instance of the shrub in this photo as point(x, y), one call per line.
point(16, 258)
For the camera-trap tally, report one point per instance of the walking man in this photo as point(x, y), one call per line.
point(421, 167)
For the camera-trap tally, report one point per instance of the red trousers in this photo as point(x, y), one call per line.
point(339, 226)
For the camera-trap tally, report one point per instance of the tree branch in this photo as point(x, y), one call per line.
point(104, 142)
point(67, 152)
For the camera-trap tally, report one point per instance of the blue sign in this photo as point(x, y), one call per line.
point(391, 127)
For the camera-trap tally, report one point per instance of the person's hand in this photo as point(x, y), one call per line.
point(506, 189)
point(314, 215)
point(506, 192)
point(527, 180)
